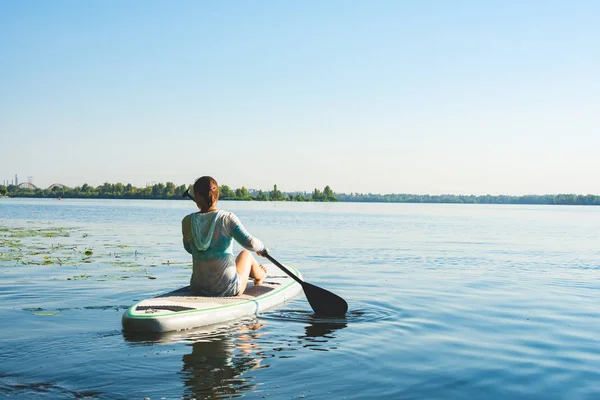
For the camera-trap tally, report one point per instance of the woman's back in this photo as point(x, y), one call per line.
point(209, 235)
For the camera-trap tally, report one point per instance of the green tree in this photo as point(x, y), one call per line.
point(56, 191)
point(26, 192)
point(106, 190)
point(275, 194)
point(86, 190)
point(225, 193)
point(119, 189)
point(261, 196)
point(299, 197)
point(328, 194)
point(317, 195)
point(158, 191)
point(241, 193)
point(129, 190)
point(3, 190)
point(180, 191)
point(169, 190)
point(145, 193)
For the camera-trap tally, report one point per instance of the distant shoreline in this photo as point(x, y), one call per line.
point(547, 199)
point(170, 191)
point(559, 199)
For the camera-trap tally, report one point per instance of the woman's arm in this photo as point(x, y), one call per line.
point(243, 237)
point(186, 230)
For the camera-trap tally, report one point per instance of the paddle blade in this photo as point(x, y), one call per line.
point(323, 302)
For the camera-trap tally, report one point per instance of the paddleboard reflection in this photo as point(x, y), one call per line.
point(217, 366)
point(221, 356)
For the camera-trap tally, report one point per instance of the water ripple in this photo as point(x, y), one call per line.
point(365, 313)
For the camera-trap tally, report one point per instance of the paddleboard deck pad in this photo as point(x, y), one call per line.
point(181, 309)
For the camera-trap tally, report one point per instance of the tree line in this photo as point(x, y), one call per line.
point(162, 191)
point(172, 191)
point(547, 199)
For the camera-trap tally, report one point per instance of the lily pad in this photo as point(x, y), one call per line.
point(46, 313)
point(79, 278)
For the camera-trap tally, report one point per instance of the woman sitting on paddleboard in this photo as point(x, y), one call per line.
point(207, 236)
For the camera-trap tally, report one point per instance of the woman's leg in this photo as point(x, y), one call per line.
point(248, 267)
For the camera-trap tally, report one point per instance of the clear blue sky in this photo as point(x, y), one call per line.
point(465, 97)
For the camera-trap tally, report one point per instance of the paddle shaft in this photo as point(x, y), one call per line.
point(284, 269)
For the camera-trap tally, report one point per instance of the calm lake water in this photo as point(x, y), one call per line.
point(446, 302)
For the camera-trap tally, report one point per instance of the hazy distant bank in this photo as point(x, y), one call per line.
point(317, 196)
point(547, 199)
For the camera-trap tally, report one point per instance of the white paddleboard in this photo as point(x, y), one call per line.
point(180, 309)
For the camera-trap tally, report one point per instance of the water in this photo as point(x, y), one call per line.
point(446, 302)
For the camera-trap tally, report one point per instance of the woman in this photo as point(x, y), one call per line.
point(207, 236)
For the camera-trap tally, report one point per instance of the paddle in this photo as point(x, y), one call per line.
point(322, 301)
point(187, 194)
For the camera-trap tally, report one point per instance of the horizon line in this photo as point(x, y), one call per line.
point(152, 183)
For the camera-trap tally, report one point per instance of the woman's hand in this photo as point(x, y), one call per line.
point(263, 253)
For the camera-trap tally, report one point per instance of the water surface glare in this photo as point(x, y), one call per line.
point(446, 302)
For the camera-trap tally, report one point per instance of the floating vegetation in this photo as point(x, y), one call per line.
point(55, 234)
point(10, 243)
point(74, 255)
point(79, 277)
point(127, 264)
point(46, 313)
point(175, 263)
point(20, 232)
point(111, 278)
point(57, 311)
point(104, 278)
point(41, 311)
point(115, 246)
point(6, 256)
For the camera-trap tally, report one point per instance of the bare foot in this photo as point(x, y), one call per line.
point(258, 280)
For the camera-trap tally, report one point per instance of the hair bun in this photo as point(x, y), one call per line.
point(208, 188)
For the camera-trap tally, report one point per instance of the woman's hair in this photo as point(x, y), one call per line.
point(208, 188)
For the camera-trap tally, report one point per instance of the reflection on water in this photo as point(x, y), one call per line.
point(216, 366)
point(319, 333)
point(322, 330)
point(222, 355)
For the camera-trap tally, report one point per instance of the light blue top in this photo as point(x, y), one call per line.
point(209, 238)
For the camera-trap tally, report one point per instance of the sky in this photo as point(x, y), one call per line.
point(424, 97)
